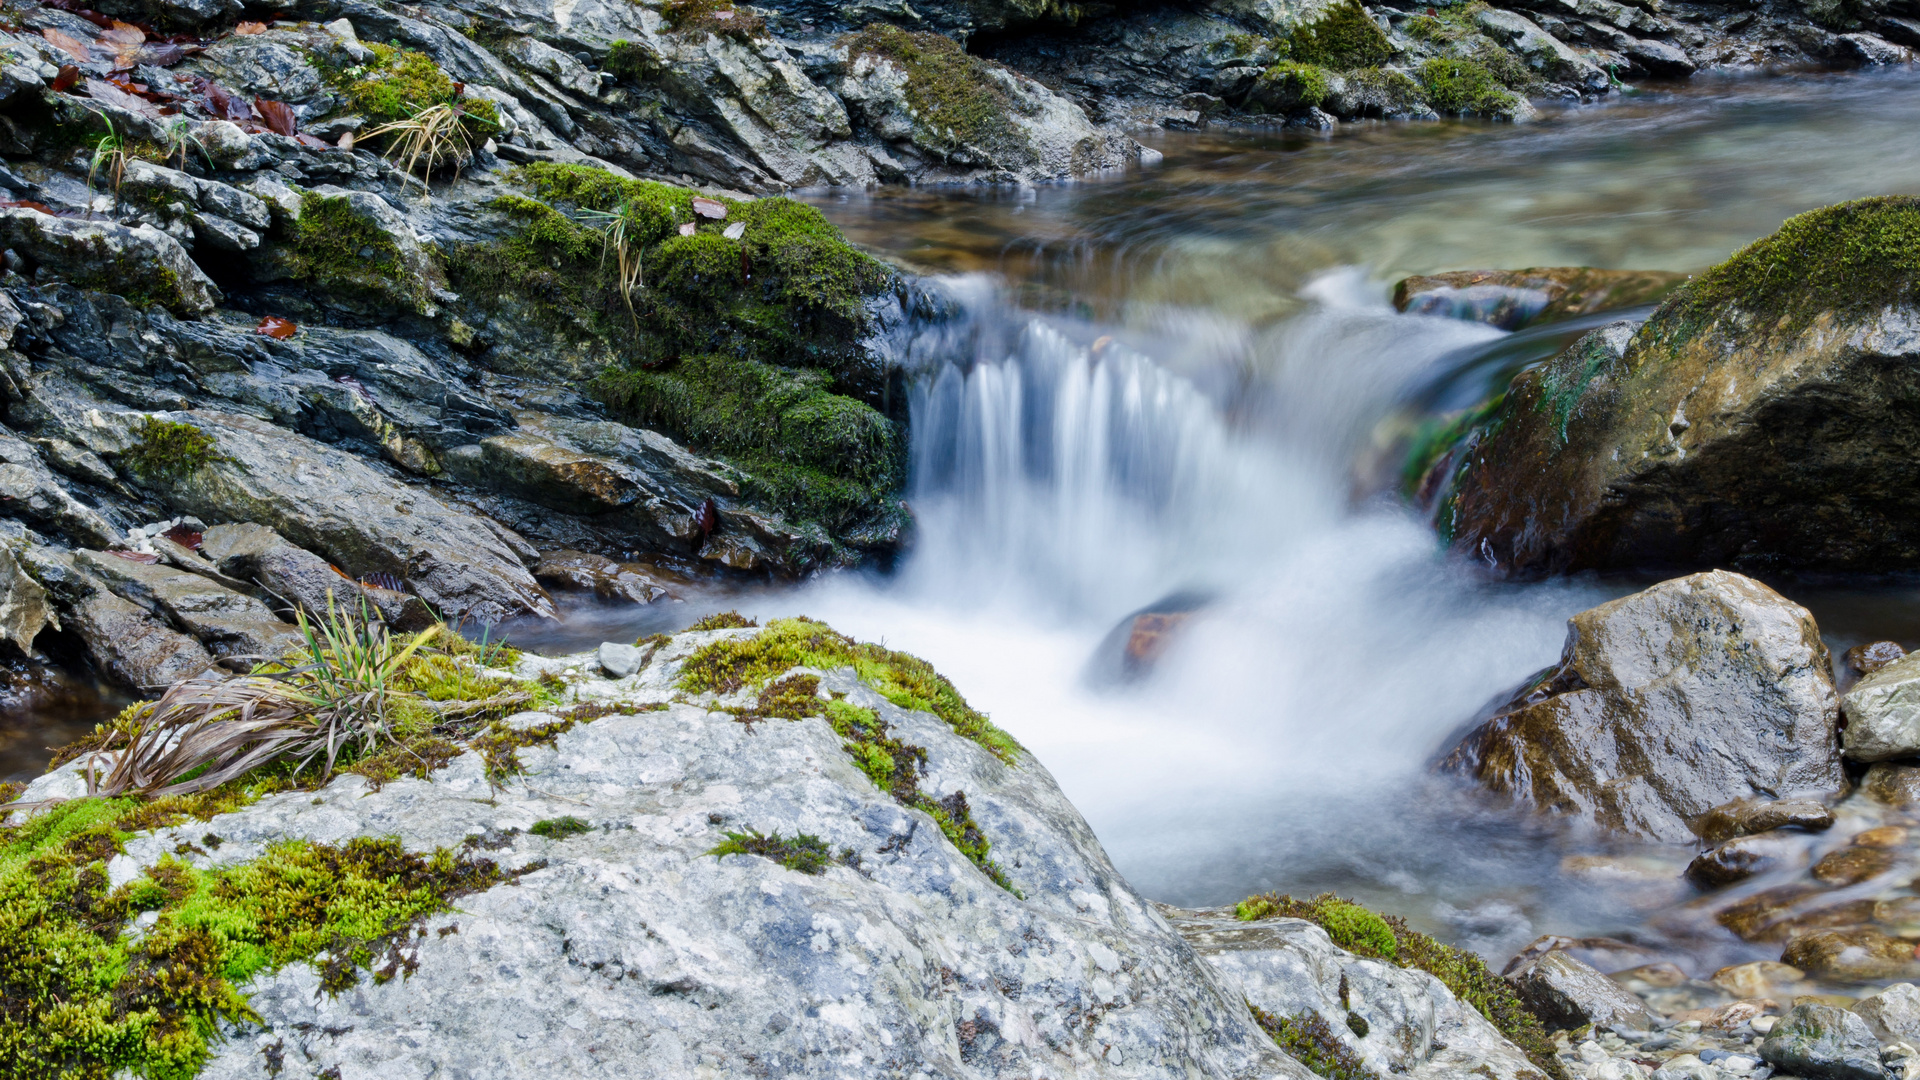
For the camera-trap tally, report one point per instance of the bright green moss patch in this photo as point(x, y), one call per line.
point(955, 99)
point(906, 681)
point(1295, 83)
point(1851, 260)
point(802, 852)
point(1358, 930)
point(82, 996)
point(1307, 1039)
point(560, 828)
point(1463, 86)
point(1343, 38)
point(722, 620)
point(170, 450)
point(398, 83)
point(338, 250)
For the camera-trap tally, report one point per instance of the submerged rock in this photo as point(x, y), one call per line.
point(1742, 858)
point(1511, 299)
point(1569, 994)
point(1712, 437)
point(1851, 954)
point(1743, 817)
point(1666, 704)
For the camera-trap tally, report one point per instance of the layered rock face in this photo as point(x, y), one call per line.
point(1748, 423)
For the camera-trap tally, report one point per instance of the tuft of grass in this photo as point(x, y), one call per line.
point(1461, 971)
point(170, 450)
point(801, 852)
point(1307, 1039)
point(560, 828)
point(1463, 86)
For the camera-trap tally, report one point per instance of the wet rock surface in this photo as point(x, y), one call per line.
point(1883, 712)
point(1511, 299)
point(1566, 993)
point(1666, 704)
point(1823, 1041)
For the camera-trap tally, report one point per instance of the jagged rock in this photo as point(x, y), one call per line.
point(1893, 1014)
point(636, 952)
point(228, 623)
point(24, 610)
point(221, 215)
point(1511, 299)
point(1667, 703)
point(332, 504)
point(1743, 817)
point(1541, 51)
point(1824, 1042)
point(599, 575)
point(142, 263)
point(180, 14)
point(31, 493)
point(1883, 713)
point(1567, 993)
point(298, 577)
point(129, 645)
point(1708, 440)
point(1413, 1025)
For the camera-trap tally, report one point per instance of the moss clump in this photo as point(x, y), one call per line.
point(723, 620)
point(904, 680)
point(718, 17)
point(170, 450)
point(1344, 37)
point(81, 997)
point(1307, 1039)
point(397, 84)
point(1382, 90)
point(802, 852)
point(560, 828)
point(340, 251)
point(954, 96)
point(1461, 971)
point(1852, 260)
point(1446, 26)
point(1294, 83)
point(1463, 86)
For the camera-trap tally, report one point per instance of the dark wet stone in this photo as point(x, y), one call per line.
point(1852, 865)
point(1857, 954)
point(1744, 817)
point(1566, 993)
point(1511, 299)
point(599, 575)
point(1823, 1042)
point(1740, 858)
point(1869, 658)
point(1892, 783)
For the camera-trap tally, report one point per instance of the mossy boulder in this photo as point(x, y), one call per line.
point(354, 250)
point(1764, 417)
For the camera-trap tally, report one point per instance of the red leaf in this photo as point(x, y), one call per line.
point(68, 44)
point(251, 28)
point(185, 537)
point(277, 328)
point(312, 143)
point(68, 78)
point(277, 115)
point(708, 208)
point(135, 556)
point(26, 204)
point(225, 106)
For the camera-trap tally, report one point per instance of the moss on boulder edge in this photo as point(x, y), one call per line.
point(1762, 419)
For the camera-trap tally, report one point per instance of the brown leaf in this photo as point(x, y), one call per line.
point(708, 208)
point(277, 115)
point(225, 106)
point(277, 328)
point(67, 43)
point(123, 34)
point(162, 55)
point(312, 143)
point(26, 204)
point(68, 78)
point(251, 28)
point(108, 94)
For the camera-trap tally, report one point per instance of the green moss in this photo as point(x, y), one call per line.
point(1343, 38)
point(560, 828)
point(1446, 26)
point(724, 620)
point(1307, 1039)
point(85, 998)
point(721, 17)
point(1463, 86)
point(802, 852)
point(1461, 971)
point(398, 83)
point(339, 251)
point(953, 96)
point(1851, 260)
point(1437, 437)
point(1289, 81)
point(1385, 89)
point(170, 450)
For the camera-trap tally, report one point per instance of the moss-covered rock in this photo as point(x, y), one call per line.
point(354, 250)
point(1764, 417)
point(142, 264)
point(1461, 87)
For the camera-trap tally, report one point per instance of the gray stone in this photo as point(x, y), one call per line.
point(140, 263)
point(32, 493)
point(174, 13)
point(1540, 51)
point(24, 610)
point(1743, 817)
point(1823, 1042)
point(1667, 703)
point(295, 577)
point(599, 575)
point(620, 661)
point(1414, 1025)
point(228, 623)
point(1566, 993)
point(1893, 1014)
point(128, 644)
point(1660, 58)
point(1883, 713)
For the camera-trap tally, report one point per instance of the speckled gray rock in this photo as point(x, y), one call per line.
point(619, 661)
point(634, 953)
point(1415, 1027)
point(1883, 713)
point(1567, 993)
point(1893, 1014)
point(1824, 1042)
point(141, 263)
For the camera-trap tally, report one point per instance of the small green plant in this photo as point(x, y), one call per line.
point(724, 620)
point(627, 250)
point(721, 17)
point(1308, 1039)
point(1343, 38)
point(560, 828)
point(170, 450)
point(801, 852)
point(110, 154)
point(432, 137)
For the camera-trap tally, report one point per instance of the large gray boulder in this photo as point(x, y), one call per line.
point(128, 643)
point(631, 951)
point(140, 263)
point(24, 610)
point(29, 491)
point(1823, 1042)
point(1883, 713)
point(294, 577)
point(1666, 704)
point(1409, 1023)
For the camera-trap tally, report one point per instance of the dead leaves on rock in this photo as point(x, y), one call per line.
point(275, 327)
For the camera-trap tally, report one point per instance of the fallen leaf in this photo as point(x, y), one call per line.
point(225, 106)
point(277, 115)
point(68, 44)
point(186, 536)
point(687, 229)
point(161, 55)
point(108, 94)
point(735, 231)
point(346, 140)
point(251, 28)
point(708, 208)
point(26, 204)
point(124, 34)
point(135, 556)
point(68, 78)
point(277, 328)
point(312, 143)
